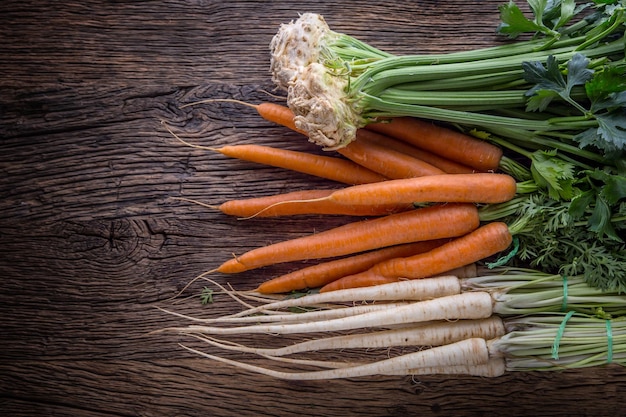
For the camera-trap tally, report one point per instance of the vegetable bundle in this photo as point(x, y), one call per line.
point(532, 175)
point(556, 103)
point(528, 91)
point(505, 320)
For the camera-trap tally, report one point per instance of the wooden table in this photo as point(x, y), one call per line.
point(92, 239)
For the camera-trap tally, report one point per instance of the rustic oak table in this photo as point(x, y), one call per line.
point(92, 238)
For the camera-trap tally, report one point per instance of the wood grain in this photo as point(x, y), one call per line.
point(92, 241)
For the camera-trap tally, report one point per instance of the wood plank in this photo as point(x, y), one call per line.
point(155, 388)
point(191, 386)
point(92, 240)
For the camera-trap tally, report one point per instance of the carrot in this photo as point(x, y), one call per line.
point(278, 114)
point(435, 222)
point(378, 159)
point(480, 187)
point(283, 116)
point(322, 166)
point(272, 112)
point(386, 161)
point(296, 202)
point(485, 241)
point(446, 165)
point(337, 169)
point(326, 272)
point(449, 143)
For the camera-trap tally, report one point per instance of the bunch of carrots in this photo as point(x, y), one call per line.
point(418, 184)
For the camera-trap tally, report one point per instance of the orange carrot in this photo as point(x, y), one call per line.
point(323, 273)
point(485, 241)
point(386, 161)
point(379, 159)
point(480, 187)
point(271, 112)
point(297, 202)
point(449, 143)
point(283, 116)
point(329, 167)
point(278, 114)
point(429, 223)
point(438, 161)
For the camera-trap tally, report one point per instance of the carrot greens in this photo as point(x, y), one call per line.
point(578, 237)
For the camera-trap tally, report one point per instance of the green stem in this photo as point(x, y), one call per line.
point(511, 146)
point(618, 21)
point(399, 70)
point(479, 82)
point(455, 98)
point(516, 170)
point(377, 107)
point(547, 143)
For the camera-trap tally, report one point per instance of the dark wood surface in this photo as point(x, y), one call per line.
point(92, 241)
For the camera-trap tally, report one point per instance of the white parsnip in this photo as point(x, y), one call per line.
point(284, 317)
point(422, 289)
point(493, 368)
point(429, 334)
point(469, 305)
point(467, 352)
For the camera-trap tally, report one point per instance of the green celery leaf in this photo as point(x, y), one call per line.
point(549, 15)
point(544, 78)
point(549, 80)
point(581, 203)
point(600, 220)
point(614, 188)
point(612, 101)
point(609, 136)
point(513, 22)
point(541, 100)
point(538, 7)
point(587, 137)
point(553, 174)
point(568, 10)
point(612, 131)
point(604, 84)
point(577, 72)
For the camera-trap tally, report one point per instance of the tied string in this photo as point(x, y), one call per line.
point(504, 259)
point(564, 305)
point(601, 314)
point(559, 335)
point(561, 330)
point(609, 341)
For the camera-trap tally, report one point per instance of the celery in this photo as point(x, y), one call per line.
point(361, 83)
